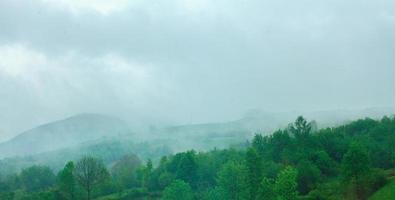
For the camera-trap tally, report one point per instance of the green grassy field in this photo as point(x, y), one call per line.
point(385, 193)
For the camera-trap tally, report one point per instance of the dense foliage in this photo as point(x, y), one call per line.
point(300, 162)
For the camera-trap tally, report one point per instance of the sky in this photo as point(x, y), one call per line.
point(191, 61)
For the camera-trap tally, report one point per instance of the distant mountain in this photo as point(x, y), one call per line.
point(209, 135)
point(63, 133)
point(83, 128)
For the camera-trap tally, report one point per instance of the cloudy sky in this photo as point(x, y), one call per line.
point(190, 61)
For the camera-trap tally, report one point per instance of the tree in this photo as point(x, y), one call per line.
point(266, 190)
point(232, 181)
point(89, 172)
point(146, 173)
point(67, 182)
point(355, 162)
point(356, 167)
point(280, 145)
point(325, 163)
point(214, 193)
point(165, 179)
point(37, 178)
point(254, 172)
point(11, 182)
point(258, 143)
point(308, 176)
point(149, 165)
point(300, 129)
point(178, 190)
point(187, 168)
point(286, 186)
point(124, 170)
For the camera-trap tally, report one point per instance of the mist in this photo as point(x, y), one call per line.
point(195, 61)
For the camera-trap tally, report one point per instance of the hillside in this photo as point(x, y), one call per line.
point(108, 149)
point(351, 161)
point(206, 136)
point(63, 133)
point(387, 192)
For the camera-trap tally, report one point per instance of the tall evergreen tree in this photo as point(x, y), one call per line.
point(258, 143)
point(147, 171)
point(67, 182)
point(301, 128)
point(254, 172)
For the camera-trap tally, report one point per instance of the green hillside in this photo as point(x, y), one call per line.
point(385, 193)
point(353, 161)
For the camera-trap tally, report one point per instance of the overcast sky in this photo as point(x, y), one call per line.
point(190, 61)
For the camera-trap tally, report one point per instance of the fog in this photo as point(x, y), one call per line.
point(191, 61)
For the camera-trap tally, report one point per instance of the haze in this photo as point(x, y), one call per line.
point(191, 61)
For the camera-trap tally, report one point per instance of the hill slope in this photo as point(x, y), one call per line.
point(63, 133)
point(387, 192)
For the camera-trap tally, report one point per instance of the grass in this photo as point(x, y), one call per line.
point(385, 193)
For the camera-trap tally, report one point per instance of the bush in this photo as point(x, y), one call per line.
point(178, 190)
point(135, 193)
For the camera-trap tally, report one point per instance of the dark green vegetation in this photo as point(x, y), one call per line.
point(387, 192)
point(351, 161)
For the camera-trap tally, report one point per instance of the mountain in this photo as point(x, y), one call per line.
point(55, 143)
point(221, 135)
point(63, 133)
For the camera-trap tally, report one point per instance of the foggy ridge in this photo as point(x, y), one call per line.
point(63, 133)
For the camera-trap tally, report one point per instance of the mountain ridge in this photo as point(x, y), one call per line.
point(63, 133)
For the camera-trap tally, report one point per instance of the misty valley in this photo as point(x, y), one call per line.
point(197, 99)
point(92, 156)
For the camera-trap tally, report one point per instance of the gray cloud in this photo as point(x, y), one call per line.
point(192, 61)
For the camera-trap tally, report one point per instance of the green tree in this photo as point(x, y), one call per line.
point(147, 172)
point(258, 143)
point(214, 193)
point(67, 182)
point(286, 185)
point(254, 172)
point(178, 190)
point(165, 179)
point(355, 162)
point(266, 190)
point(308, 176)
point(90, 172)
point(325, 163)
point(300, 129)
point(124, 171)
point(37, 178)
point(280, 147)
point(356, 167)
point(187, 168)
point(232, 181)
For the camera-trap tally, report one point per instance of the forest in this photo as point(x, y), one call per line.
point(197, 100)
point(351, 161)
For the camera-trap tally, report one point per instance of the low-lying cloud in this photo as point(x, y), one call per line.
point(191, 61)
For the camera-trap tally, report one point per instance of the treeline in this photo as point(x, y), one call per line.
point(346, 162)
